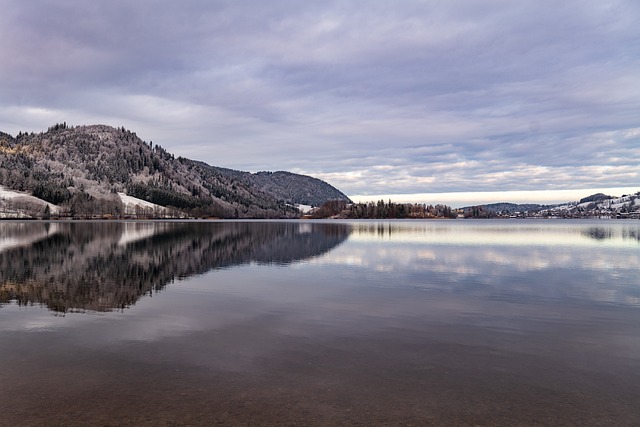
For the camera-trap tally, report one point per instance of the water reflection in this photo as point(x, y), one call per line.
point(504, 232)
point(110, 265)
point(516, 260)
point(598, 233)
point(383, 323)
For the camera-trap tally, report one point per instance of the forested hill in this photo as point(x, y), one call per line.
point(294, 188)
point(85, 167)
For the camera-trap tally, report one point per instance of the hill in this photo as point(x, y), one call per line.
point(595, 206)
point(495, 209)
point(83, 169)
point(599, 206)
point(290, 187)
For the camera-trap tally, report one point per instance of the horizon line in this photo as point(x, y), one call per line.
point(469, 198)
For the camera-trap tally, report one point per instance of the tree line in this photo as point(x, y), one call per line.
point(382, 210)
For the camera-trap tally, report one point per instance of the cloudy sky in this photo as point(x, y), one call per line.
point(376, 97)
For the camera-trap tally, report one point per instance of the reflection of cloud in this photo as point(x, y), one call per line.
point(499, 232)
point(494, 259)
point(353, 259)
point(425, 255)
point(455, 259)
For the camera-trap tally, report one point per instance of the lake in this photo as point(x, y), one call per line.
point(442, 322)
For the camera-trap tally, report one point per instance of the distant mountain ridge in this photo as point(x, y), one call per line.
point(512, 207)
point(597, 205)
point(595, 198)
point(83, 168)
point(287, 186)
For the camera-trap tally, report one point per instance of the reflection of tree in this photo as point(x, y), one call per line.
point(99, 266)
point(632, 234)
point(602, 233)
point(598, 233)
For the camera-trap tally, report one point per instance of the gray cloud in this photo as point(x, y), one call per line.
point(374, 96)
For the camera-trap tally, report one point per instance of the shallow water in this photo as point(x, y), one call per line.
point(456, 322)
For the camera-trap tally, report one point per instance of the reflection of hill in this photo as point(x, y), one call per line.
point(105, 266)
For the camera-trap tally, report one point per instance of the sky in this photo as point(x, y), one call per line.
point(426, 101)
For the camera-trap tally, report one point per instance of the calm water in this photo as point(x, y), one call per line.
point(320, 323)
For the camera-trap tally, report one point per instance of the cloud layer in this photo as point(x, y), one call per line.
point(375, 97)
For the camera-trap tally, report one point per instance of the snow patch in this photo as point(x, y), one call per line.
point(130, 201)
point(13, 195)
point(10, 194)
